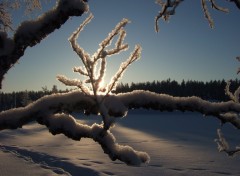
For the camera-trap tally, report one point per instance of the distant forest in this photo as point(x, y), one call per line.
point(211, 90)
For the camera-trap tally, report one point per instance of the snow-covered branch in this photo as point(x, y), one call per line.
point(53, 111)
point(163, 102)
point(56, 103)
point(30, 33)
point(116, 105)
point(67, 125)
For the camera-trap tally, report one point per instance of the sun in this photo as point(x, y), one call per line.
point(102, 85)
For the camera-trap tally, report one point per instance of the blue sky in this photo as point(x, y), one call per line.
point(185, 48)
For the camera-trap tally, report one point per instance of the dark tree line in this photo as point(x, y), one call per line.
point(23, 98)
point(211, 90)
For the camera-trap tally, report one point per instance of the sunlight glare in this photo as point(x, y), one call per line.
point(102, 85)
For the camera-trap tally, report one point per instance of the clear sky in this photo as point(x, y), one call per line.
point(185, 48)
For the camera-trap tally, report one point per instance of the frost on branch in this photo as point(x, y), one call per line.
point(232, 117)
point(214, 6)
point(91, 87)
point(169, 9)
point(94, 76)
point(223, 145)
point(30, 33)
point(233, 96)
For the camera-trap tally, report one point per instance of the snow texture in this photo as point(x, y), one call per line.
point(178, 143)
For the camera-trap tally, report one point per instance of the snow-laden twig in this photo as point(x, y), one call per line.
point(223, 145)
point(85, 57)
point(30, 33)
point(233, 96)
point(74, 82)
point(217, 7)
point(107, 41)
point(114, 80)
point(221, 141)
point(168, 9)
point(206, 13)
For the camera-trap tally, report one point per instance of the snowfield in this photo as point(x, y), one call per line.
point(179, 144)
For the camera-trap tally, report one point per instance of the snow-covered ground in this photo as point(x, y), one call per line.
point(178, 143)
